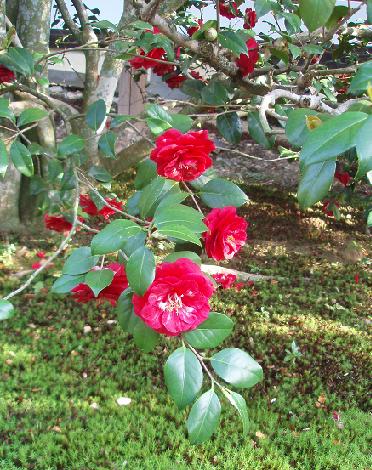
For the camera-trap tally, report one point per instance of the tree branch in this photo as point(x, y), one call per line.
point(67, 18)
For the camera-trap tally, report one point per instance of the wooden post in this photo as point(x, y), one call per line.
point(131, 94)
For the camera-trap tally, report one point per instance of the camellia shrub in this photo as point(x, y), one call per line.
point(278, 82)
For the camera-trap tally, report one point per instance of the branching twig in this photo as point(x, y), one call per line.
point(61, 247)
point(62, 7)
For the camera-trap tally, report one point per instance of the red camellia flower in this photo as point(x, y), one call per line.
point(146, 60)
point(6, 75)
point(82, 293)
point(229, 10)
point(57, 223)
point(182, 157)
point(193, 29)
point(328, 207)
point(177, 300)
point(250, 19)
point(175, 81)
point(36, 265)
point(41, 255)
point(227, 233)
point(90, 208)
point(343, 177)
point(246, 62)
point(225, 280)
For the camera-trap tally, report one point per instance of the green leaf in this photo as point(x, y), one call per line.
point(220, 193)
point(146, 172)
point(100, 174)
point(133, 243)
point(364, 148)
point(215, 93)
point(183, 254)
point(5, 111)
point(296, 128)
point(105, 24)
point(68, 180)
point(369, 219)
point(71, 144)
point(262, 7)
point(230, 126)
point(339, 12)
point(4, 159)
point(292, 23)
point(182, 122)
point(66, 283)
point(256, 131)
point(152, 195)
point(183, 376)
point(180, 232)
point(174, 197)
point(6, 310)
point(80, 261)
point(193, 88)
point(332, 138)
point(22, 159)
point(144, 337)
point(369, 11)
point(240, 404)
point(315, 183)
point(211, 333)
point(180, 215)
point(204, 417)
point(141, 270)
point(96, 114)
point(233, 41)
point(98, 280)
point(363, 76)
point(127, 319)
point(120, 119)
point(54, 170)
point(113, 236)
point(31, 115)
point(316, 13)
point(106, 144)
point(19, 60)
point(237, 367)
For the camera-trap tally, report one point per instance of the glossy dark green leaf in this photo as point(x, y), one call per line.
point(364, 148)
point(332, 138)
point(240, 404)
point(182, 122)
point(71, 144)
point(107, 143)
point(180, 232)
point(183, 254)
point(362, 78)
point(315, 183)
point(180, 215)
point(256, 130)
point(80, 261)
point(183, 376)
point(215, 94)
point(233, 41)
point(127, 319)
point(120, 119)
point(152, 195)
point(31, 115)
point(220, 193)
point(100, 174)
point(6, 310)
point(144, 337)
point(316, 13)
point(230, 126)
point(296, 128)
point(237, 367)
point(96, 114)
point(113, 236)
point(262, 7)
point(5, 111)
point(99, 279)
point(19, 60)
point(4, 158)
point(66, 283)
point(204, 417)
point(211, 333)
point(141, 270)
point(146, 172)
point(21, 158)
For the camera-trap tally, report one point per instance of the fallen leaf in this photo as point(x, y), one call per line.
point(260, 435)
point(123, 401)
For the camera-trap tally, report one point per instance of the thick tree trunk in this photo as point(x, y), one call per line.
point(33, 28)
point(10, 184)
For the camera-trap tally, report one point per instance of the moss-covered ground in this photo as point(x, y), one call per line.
point(59, 384)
